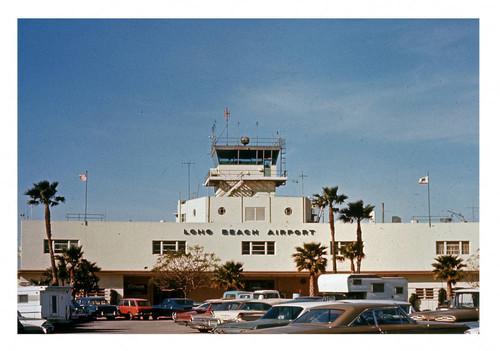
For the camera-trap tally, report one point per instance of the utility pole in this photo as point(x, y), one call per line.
point(189, 177)
point(302, 175)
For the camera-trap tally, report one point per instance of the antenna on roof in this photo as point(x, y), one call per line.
point(226, 113)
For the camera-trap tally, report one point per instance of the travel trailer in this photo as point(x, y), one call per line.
point(362, 286)
point(48, 302)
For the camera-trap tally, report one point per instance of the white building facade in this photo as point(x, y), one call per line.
point(246, 222)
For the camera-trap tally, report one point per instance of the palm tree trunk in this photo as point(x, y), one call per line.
point(311, 285)
point(51, 249)
point(359, 240)
point(332, 231)
point(449, 289)
point(353, 270)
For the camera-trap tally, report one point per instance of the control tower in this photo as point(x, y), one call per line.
point(246, 167)
point(245, 177)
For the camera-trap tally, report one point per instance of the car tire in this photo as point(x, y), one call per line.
point(130, 316)
point(110, 318)
point(155, 317)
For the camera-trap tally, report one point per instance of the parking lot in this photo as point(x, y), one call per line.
point(124, 326)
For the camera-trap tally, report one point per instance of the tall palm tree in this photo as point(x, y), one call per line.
point(331, 197)
point(228, 276)
point(310, 257)
point(320, 202)
point(448, 268)
point(357, 211)
point(45, 193)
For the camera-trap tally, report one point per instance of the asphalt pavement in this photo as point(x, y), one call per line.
point(124, 326)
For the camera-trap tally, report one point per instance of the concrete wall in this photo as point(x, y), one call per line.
point(127, 246)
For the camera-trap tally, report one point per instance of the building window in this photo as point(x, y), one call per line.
point(253, 214)
point(22, 298)
point(377, 287)
point(398, 290)
point(161, 247)
point(59, 245)
point(425, 293)
point(288, 211)
point(452, 247)
point(257, 248)
point(183, 217)
point(465, 247)
point(221, 211)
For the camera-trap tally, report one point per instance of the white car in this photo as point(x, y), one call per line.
point(34, 325)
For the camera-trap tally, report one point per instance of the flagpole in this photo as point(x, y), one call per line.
point(429, 197)
point(86, 181)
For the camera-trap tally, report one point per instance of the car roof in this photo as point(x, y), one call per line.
point(304, 304)
point(467, 290)
point(374, 302)
point(134, 298)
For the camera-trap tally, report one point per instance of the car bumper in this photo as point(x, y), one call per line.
point(206, 324)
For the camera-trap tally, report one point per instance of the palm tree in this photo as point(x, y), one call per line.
point(44, 193)
point(349, 252)
point(228, 276)
point(319, 202)
point(357, 211)
point(86, 279)
point(448, 268)
point(310, 257)
point(331, 198)
point(72, 257)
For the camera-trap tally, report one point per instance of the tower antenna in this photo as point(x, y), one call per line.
point(226, 113)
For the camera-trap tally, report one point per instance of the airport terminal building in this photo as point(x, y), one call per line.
point(246, 222)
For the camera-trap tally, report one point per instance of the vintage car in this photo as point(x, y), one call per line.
point(257, 294)
point(27, 325)
point(232, 311)
point(279, 315)
point(463, 307)
point(361, 318)
point(78, 313)
point(135, 308)
point(234, 294)
point(172, 305)
point(98, 307)
point(184, 318)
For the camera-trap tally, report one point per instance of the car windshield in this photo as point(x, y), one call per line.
point(98, 302)
point(184, 302)
point(282, 312)
point(323, 315)
point(255, 306)
point(229, 306)
point(381, 316)
point(467, 300)
point(202, 307)
point(143, 303)
point(215, 306)
point(266, 296)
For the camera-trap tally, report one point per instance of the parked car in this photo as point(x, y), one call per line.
point(135, 308)
point(27, 325)
point(78, 313)
point(233, 294)
point(232, 311)
point(463, 307)
point(361, 318)
point(184, 318)
point(278, 315)
point(98, 307)
point(172, 305)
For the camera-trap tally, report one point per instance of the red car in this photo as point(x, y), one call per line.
point(185, 317)
point(135, 308)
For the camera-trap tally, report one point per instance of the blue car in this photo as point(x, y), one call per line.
point(170, 307)
point(98, 307)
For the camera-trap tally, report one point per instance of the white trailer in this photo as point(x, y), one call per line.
point(362, 286)
point(48, 302)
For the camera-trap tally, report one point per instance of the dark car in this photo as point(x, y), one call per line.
point(170, 306)
point(98, 307)
point(463, 307)
point(361, 318)
point(78, 313)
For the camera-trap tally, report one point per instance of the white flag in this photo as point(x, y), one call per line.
point(83, 177)
point(424, 180)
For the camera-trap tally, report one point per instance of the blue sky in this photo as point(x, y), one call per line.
point(368, 105)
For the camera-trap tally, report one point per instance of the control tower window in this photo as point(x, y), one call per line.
point(255, 214)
